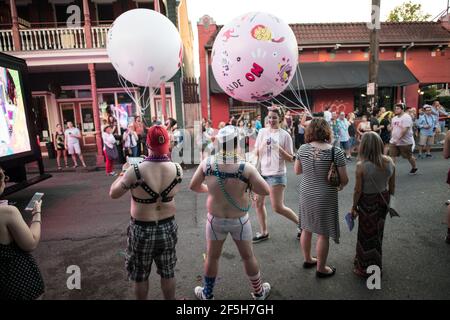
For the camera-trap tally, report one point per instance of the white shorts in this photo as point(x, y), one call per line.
point(74, 148)
point(219, 228)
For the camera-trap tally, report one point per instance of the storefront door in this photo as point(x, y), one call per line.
point(82, 117)
point(67, 112)
point(87, 123)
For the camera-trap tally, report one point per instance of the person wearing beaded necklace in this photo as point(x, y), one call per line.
point(273, 148)
point(226, 178)
point(152, 232)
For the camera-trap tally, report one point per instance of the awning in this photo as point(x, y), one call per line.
point(339, 75)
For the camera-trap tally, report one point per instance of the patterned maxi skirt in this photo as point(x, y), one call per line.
point(372, 215)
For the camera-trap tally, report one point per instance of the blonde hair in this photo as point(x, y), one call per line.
point(371, 149)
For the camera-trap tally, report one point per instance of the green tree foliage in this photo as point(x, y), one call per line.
point(408, 12)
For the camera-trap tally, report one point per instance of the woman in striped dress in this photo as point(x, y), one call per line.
point(318, 201)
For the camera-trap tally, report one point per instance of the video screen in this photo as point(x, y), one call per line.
point(14, 137)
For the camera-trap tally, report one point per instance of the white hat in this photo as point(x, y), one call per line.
point(227, 133)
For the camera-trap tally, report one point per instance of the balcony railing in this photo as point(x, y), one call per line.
point(52, 39)
point(99, 35)
point(6, 40)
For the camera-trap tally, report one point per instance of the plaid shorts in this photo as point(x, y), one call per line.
point(148, 241)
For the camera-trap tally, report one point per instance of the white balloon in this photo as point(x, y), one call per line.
point(144, 47)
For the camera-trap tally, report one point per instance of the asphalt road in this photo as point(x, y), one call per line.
point(83, 227)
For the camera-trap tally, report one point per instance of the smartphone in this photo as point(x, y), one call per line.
point(37, 196)
point(134, 160)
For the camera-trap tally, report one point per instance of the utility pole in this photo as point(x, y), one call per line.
point(374, 26)
point(162, 88)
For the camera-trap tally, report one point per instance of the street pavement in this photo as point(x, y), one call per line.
point(82, 226)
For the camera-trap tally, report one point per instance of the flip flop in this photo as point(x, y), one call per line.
point(328, 274)
point(309, 265)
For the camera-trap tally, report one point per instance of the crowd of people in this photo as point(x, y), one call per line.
point(118, 143)
point(233, 183)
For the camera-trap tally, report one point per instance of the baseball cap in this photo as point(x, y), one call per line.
point(158, 140)
point(227, 133)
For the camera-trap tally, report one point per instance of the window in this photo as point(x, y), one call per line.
point(108, 98)
point(105, 12)
point(145, 4)
point(85, 93)
point(61, 14)
point(124, 98)
point(67, 94)
point(23, 12)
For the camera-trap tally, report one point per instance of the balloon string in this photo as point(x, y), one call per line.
point(303, 84)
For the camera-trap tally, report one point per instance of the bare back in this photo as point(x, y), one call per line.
point(217, 203)
point(158, 176)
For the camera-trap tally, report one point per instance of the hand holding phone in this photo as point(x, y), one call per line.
point(35, 202)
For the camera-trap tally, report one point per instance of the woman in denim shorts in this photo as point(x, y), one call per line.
point(273, 148)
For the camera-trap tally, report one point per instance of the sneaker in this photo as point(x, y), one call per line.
point(413, 172)
point(199, 294)
point(112, 174)
point(429, 155)
point(264, 294)
point(420, 156)
point(349, 159)
point(260, 237)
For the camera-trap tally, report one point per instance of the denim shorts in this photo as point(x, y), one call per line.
point(276, 180)
point(346, 145)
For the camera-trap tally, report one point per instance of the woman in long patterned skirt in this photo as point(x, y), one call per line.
point(375, 183)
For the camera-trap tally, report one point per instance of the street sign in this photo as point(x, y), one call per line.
point(371, 88)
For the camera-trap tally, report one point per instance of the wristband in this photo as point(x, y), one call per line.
point(36, 221)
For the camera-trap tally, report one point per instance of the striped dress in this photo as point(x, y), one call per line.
point(318, 201)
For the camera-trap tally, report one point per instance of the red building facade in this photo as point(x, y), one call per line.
point(415, 50)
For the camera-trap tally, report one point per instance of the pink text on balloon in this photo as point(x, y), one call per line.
point(257, 71)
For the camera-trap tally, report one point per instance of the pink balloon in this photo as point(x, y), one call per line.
point(254, 57)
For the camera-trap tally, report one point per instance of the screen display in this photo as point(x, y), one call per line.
point(14, 137)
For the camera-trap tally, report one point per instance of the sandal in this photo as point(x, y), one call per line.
point(309, 265)
point(326, 275)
